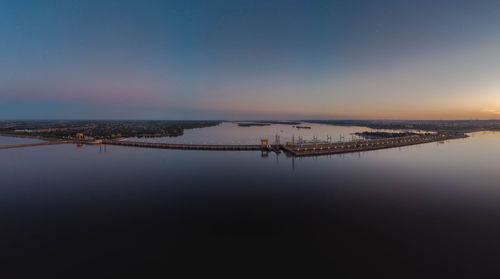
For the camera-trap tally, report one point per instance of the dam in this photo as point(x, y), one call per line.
point(302, 150)
point(305, 149)
point(290, 148)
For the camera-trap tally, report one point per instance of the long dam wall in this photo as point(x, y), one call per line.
point(185, 146)
point(297, 150)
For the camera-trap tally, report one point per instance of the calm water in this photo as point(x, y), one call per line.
point(231, 133)
point(14, 140)
point(427, 211)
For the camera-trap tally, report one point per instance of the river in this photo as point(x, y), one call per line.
point(231, 133)
point(431, 210)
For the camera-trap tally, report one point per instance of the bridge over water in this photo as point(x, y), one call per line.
point(298, 150)
point(220, 147)
point(309, 149)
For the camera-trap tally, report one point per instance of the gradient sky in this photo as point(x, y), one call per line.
point(249, 59)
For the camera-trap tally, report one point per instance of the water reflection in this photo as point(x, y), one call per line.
point(424, 208)
point(231, 133)
point(4, 140)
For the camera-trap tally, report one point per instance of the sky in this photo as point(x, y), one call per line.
point(249, 59)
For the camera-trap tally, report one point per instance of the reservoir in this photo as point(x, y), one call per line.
point(14, 140)
point(231, 133)
point(432, 208)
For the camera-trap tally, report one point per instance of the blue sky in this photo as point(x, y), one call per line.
point(249, 59)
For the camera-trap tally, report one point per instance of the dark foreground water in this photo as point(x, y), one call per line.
point(426, 211)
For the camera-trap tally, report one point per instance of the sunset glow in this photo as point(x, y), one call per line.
point(224, 60)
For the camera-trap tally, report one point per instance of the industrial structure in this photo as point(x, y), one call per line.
point(303, 149)
point(296, 150)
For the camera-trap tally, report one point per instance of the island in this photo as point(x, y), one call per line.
point(265, 123)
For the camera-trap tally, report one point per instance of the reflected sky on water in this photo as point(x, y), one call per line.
point(15, 140)
point(431, 208)
point(231, 133)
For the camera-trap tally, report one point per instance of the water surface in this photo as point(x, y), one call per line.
point(430, 210)
point(5, 140)
point(231, 133)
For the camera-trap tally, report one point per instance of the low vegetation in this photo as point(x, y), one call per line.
point(449, 126)
point(100, 129)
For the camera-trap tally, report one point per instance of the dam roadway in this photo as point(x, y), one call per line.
point(220, 147)
point(301, 150)
point(297, 150)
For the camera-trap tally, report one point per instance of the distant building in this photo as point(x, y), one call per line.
point(79, 135)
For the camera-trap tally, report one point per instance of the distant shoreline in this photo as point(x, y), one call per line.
point(449, 126)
